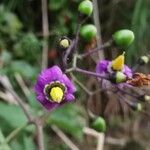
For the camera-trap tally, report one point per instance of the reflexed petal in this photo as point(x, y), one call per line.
point(69, 97)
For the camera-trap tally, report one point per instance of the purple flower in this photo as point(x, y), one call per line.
point(53, 88)
point(104, 67)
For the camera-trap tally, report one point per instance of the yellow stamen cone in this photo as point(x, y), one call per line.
point(118, 63)
point(56, 94)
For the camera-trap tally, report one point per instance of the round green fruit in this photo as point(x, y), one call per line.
point(120, 77)
point(123, 37)
point(88, 32)
point(99, 124)
point(85, 7)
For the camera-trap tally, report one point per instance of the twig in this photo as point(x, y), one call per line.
point(114, 141)
point(17, 98)
point(101, 139)
point(100, 136)
point(105, 45)
point(66, 140)
point(87, 72)
point(22, 84)
point(73, 47)
point(80, 84)
point(68, 51)
point(29, 116)
point(40, 137)
point(45, 34)
point(97, 24)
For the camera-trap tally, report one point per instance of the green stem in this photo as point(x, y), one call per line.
point(14, 133)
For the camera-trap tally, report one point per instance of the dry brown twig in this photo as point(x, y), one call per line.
point(64, 137)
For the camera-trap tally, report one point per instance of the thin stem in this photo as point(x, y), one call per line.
point(40, 137)
point(96, 18)
point(18, 99)
point(14, 133)
point(134, 68)
point(130, 94)
point(101, 140)
point(80, 84)
point(74, 43)
point(22, 84)
point(68, 51)
point(45, 34)
point(66, 140)
point(105, 45)
point(90, 73)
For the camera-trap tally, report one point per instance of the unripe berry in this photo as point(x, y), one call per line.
point(88, 32)
point(85, 7)
point(123, 37)
point(120, 77)
point(99, 124)
point(117, 77)
point(143, 60)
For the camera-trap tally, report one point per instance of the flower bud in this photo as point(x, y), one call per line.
point(99, 124)
point(64, 43)
point(85, 7)
point(88, 32)
point(143, 60)
point(123, 37)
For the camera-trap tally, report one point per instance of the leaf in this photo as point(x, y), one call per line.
point(9, 22)
point(24, 69)
point(28, 143)
point(56, 4)
point(5, 57)
point(68, 119)
point(12, 116)
point(2, 140)
point(23, 142)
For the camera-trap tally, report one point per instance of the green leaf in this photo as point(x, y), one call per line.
point(23, 142)
point(12, 115)
point(23, 68)
point(56, 4)
point(5, 57)
point(68, 119)
point(28, 143)
point(9, 22)
point(2, 140)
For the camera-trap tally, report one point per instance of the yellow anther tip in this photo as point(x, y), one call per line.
point(118, 63)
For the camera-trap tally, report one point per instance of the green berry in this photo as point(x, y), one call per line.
point(120, 77)
point(85, 7)
point(99, 124)
point(88, 32)
point(143, 60)
point(139, 107)
point(123, 37)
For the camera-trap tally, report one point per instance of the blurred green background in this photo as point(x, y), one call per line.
point(21, 40)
